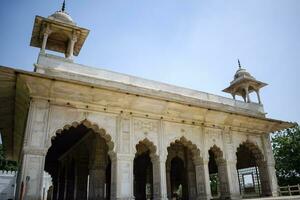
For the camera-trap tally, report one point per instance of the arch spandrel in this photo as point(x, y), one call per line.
point(213, 138)
point(61, 118)
point(145, 129)
point(175, 131)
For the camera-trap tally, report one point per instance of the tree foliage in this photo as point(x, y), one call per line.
point(286, 148)
point(7, 165)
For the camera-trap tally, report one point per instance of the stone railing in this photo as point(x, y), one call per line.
point(7, 184)
point(289, 190)
point(7, 173)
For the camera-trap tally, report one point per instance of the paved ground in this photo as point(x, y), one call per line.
point(297, 197)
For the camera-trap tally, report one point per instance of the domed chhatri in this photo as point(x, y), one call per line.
point(58, 33)
point(243, 84)
point(62, 16)
point(242, 72)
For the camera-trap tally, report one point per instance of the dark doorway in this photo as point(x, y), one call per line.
point(143, 173)
point(178, 179)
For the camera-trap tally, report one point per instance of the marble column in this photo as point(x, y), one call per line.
point(32, 176)
point(202, 180)
point(222, 174)
point(34, 151)
point(267, 169)
point(233, 186)
point(191, 177)
point(122, 177)
point(168, 179)
point(71, 46)
point(247, 94)
point(159, 178)
point(268, 179)
point(258, 96)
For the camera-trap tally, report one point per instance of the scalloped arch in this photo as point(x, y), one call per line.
point(218, 153)
point(253, 148)
point(106, 136)
point(191, 146)
point(150, 145)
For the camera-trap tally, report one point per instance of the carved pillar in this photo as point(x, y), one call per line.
point(71, 46)
point(230, 165)
point(247, 94)
point(32, 176)
point(258, 96)
point(34, 151)
point(222, 174)
point(122, 176)
point(233, 96)
point(233, 191)
point(45, 39)
point(168, 179)
point(267, 169)
point(159, 178)
point(191, 177)
point(202, 180)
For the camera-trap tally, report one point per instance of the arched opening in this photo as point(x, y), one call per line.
point(79, 164)
point(213, 175)
point(217, 173)
point(58, 42)
point(143, 172)
point(178, 179)
point(253, 95)
point(180, 171)
point(252, 174)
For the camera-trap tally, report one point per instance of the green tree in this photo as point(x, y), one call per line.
point(286, 148)
point(7, 165)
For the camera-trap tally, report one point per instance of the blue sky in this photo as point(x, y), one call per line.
point(190, 43)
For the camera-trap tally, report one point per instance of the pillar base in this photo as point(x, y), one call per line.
point(233, 197)
point(203, 198)
point(160, 198)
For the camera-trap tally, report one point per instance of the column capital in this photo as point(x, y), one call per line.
point(34, 151)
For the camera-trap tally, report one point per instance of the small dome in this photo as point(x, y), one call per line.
point(242, 73)
point(62, 16)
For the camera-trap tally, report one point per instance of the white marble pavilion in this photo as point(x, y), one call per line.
point(106, 135)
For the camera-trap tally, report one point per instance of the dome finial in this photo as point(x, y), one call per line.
point(63, 6)
point(239, 64)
